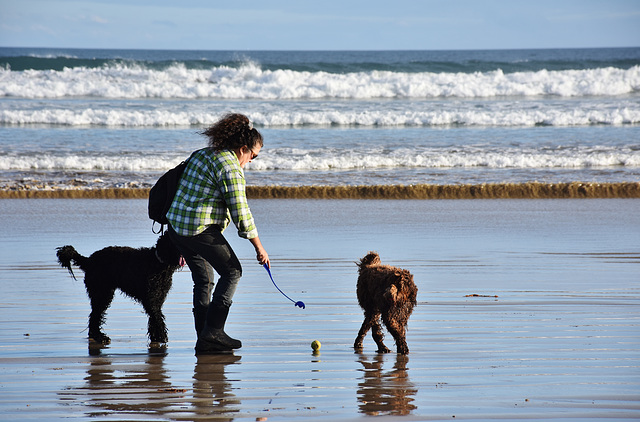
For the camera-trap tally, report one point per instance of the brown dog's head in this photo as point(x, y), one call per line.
point(372, 258)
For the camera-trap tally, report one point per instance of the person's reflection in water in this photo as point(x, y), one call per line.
point(386, 393)
point(212, 395)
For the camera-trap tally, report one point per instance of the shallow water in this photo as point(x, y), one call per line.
point(560, 340)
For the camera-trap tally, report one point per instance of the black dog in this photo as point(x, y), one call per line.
point(144, 274)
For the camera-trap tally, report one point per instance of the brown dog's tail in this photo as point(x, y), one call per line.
point(67, 255)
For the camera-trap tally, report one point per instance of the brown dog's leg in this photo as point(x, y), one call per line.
point(378, 335)
point(397, 330)
point(366, 325)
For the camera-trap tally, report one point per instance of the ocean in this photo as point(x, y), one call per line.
point(84, 119)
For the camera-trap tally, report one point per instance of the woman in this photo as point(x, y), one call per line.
point(211, 192)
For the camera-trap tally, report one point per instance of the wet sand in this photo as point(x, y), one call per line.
point(528, 309)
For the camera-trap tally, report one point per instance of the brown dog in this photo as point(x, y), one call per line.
point(384, 291)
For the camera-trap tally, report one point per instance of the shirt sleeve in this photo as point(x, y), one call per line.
point(234, 191)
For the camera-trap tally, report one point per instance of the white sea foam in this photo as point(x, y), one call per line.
point(316, 160)
point(73, 162)
point(250, 81)
point(497, 114)
point(336, 159)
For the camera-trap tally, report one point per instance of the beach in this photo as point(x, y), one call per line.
point(527, 309)
point(505, 181)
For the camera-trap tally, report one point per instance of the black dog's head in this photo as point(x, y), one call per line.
point(372, 258)
point(167, 252)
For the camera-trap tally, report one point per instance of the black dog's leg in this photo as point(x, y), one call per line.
point(156, 328)
point(100, 300)
point(378, 335)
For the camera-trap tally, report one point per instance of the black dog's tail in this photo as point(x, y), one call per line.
point(67, 255)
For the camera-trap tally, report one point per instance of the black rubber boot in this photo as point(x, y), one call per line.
point(212, 338)
point(199, 319)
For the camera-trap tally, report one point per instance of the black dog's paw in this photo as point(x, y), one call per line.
point(159, 338)
point(99, 339)
point(157, 347)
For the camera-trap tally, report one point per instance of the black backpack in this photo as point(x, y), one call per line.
point(161, 195)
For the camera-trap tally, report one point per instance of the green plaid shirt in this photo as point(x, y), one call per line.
point(211, 191)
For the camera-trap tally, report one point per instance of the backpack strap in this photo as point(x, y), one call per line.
point(153, 225)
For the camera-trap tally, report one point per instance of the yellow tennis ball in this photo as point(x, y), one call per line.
point(315, 345)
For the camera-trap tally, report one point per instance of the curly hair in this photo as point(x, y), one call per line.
point(233, 131)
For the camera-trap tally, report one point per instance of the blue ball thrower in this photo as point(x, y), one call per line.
point(299, 304)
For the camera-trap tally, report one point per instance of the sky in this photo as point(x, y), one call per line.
point(320, 25)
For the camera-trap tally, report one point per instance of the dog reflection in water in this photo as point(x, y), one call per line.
point(129, 387)
point(386, 392)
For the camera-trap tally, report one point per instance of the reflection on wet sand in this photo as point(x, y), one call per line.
point(96, 348)
point(116, 385)
point(212, 395)
point(133, 385)
point(386, 393)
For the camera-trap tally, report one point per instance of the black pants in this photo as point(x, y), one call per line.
point(204, 253)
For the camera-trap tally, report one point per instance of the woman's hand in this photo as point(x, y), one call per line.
point(261, 253)
point(263, 257)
